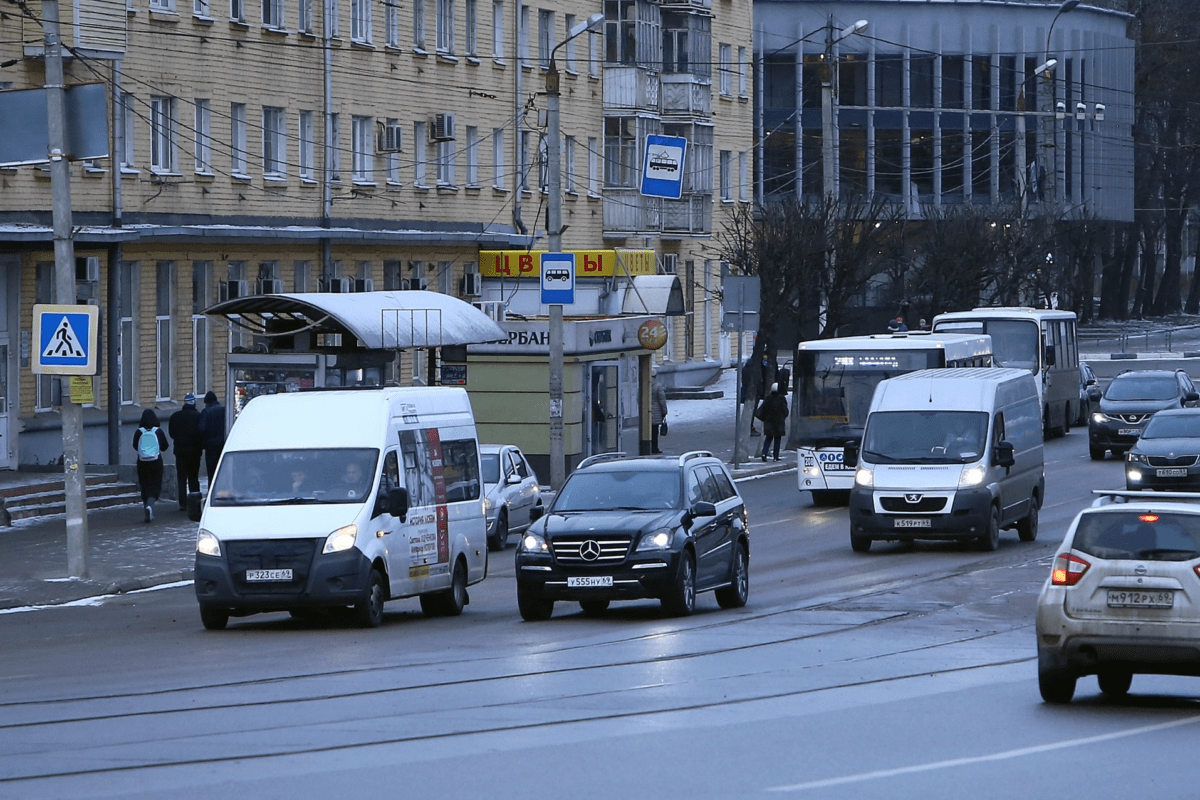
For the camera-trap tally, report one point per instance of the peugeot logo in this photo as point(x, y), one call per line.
point(589, 550)
point(912, 497)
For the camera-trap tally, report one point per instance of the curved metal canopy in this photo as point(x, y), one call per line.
point(380, 320)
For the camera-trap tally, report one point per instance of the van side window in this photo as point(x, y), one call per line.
point(391, 474)
point(460, 468)
point(998, 429)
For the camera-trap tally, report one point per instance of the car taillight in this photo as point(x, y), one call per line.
point(1068, 569)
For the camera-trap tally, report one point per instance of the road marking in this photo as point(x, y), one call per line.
point(1002, 756)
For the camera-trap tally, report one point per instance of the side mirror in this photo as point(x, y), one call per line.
point(1191, 397)
point(397, 503)
point(1049, 355)
point(703, 508)
point(513, 479)
point(536, 513)
point(195, 506)
point(1003, 455)
point(850, 455)
point(1094, 394)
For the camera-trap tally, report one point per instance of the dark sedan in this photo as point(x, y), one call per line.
point(1167, 456)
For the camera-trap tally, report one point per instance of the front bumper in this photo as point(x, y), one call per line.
point(1108, 436)
point(1141, 476)
point(334, 579)
point(640, 576)
point(968, 516)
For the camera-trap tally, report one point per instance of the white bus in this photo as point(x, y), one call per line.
point(835, 380)
point(1040, 340)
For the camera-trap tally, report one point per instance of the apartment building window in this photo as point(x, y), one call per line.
point(419, 24)
point(620, 152)
point(447, 163)
point(274, 142)
point(163, 342)
point(49, 387)
point(362, 133)
point(523, 38)
point(162, 5)
point(127, 308)
point(471, 7)
point(201, 343)
point(360, 21)
point(237, 138)
point(472, 151)
point(743, 177)
point(203, 137)
point(162, 134)
point(545, 34)
point(498, 158)
point(334, 147)
point(304, 16)
point(726, 177)
point(307, 147)
point(569, 47)
point(445, 26)
point(391, 24)
point(593, 55)
point(333, 17)
point(236, 271)
point(393, 276)
point(301, 272)
point(523, 164)
point(200, 8)
point(741, 71)
point(569, 165)
point(393, 158)
point(498, 30)
point(725, 64)
point(419, 154)
point(445, 277)
point(631, 31)
point(593, 157)
point(237, 10)
point(272, 14)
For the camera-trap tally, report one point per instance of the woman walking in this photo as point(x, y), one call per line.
point(773, 412)
point(150, 443)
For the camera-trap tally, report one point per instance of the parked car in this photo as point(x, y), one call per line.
point(1167, 455)
point(1089, 388)
point(1128, 403)
point(510, 492)
point(633, 528)
point(1123, 595)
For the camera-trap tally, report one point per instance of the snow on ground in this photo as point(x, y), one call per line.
point(680, 411)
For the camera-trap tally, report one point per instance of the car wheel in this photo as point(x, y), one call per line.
point(1097, 453)
point(1056, 686)
point(737, 592)
point(448, 603)
point(1027, 529)
point(991, 539)
point(593, 607)
point(860, 544)
point(369, 612)
point(534, 609)
point(681, 602)
point(499, 539)
point(214, 619)
point(1115, 682)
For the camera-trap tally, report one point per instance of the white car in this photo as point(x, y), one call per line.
point(1123, 596)
point(510, 491)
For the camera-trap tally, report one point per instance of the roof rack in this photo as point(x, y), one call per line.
point(596, 459)
point(688, 456)
point(1110, 496)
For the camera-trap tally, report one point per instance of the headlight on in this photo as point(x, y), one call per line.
point(533, 543)
point(659, 540)
point(972, 476)
point(207, 543)
point(1134, 474)
point(864, 476)
point(341, 539)
point(1099, 418)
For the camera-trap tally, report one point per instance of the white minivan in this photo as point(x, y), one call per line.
point(343, 498)
point(949, 454)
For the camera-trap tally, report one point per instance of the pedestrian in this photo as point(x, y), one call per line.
point(924, 325)
point(773, 412)
point(184, 427)
point(765, 374)
point(212, 432)
point(658, 408)
point(897, 325)
point(150, 443)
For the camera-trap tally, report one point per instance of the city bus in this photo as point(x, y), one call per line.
point(1040, 340)
point(835, 380)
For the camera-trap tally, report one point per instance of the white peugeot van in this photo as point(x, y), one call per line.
point(949, 454)
point(343, 498)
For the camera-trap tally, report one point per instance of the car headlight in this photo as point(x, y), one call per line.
point(658, 540)
point(864, 476)
point(1099, 418)
point(341, 539)
point(534, 543)
point(487, 506)
point(972, 476)
point(1135, 457)
point(207, 543)
point(1133, 474)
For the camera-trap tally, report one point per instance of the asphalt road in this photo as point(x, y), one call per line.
point(907, 672)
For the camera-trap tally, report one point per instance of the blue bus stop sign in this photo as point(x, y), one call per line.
point(558, 279)
point(662, 170)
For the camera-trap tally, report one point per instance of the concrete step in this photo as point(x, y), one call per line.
point(42, 498)
point(693, 393)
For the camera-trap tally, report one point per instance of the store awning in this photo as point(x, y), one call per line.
point(660, 295)
point(379, 320)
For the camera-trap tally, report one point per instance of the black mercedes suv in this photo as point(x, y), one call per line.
point(634, 528)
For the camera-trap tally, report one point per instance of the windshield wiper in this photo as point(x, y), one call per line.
point(297, 501)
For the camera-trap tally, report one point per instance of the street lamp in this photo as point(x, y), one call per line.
point(827, 78)
point(554, 231)
point(1048, 113)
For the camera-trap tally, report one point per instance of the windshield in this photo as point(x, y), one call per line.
point(294, 477)
point(1137, 387)
point(834, 389)
point(1172, 426)
point(491, 467)
point(626, 489)
point(1162, 537)
point(925, 437)
point(1014, 341)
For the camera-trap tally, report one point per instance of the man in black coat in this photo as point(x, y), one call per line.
point(212, 432)
point(184, 427)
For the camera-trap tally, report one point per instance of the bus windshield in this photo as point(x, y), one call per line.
point(1014, 341)
point(834, 389)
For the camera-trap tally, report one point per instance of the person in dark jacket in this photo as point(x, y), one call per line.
point(658, 408)
point(212, 432)
point(149, 460)
point(773, 412)
point(184, 427)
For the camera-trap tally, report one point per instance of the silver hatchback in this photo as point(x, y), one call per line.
point(1123, 595)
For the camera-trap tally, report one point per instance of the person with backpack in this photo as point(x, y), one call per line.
point(150, 443)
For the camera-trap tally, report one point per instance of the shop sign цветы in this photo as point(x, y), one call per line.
point(588, 263)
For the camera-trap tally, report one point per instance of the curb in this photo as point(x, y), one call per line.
point(134, 584)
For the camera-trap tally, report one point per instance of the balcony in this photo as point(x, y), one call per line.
point(686, 95)
point(690, 215)
point(630, 87)
point(627, 212)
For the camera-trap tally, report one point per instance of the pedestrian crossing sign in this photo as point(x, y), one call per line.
point(65, 339)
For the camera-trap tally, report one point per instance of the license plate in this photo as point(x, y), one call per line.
point(912, 523)
point(1129, 431)
point(589, 581)
point(1171, 473)
point(268, 575)
point(1164, 598)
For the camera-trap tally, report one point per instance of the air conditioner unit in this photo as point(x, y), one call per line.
point(413, 285)
point(364, 285)
point(472, 284)
point(336, 284)
point(390, 138)
point(270, 286)
point(231, 290)
point(87, 269)
point(442, 129)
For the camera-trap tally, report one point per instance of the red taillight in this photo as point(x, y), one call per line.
point(1068, 569)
